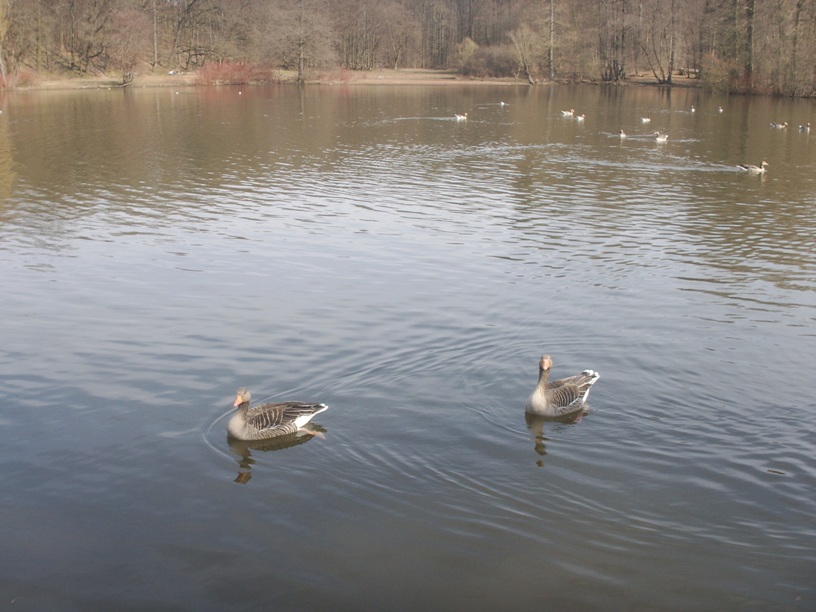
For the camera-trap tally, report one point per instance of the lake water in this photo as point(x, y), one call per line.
point(358, 246)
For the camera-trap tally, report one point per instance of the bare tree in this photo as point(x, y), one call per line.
point(297, 35)
point(658, 39)
point(529, 50)
point(128, 40)
point(400, 36)
point(612, 28)
point(82, 26)
point(741, 45)
point(749, 45)
point(3, 32)
point(551, 45)
point(357, 29)
point(187, 20)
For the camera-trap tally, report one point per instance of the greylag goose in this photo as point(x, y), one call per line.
point(760, 169)
point(661, 137)
point(269, 420)
point(779, 125)
point(568, 113)
point(622, 134)
point(645, 119)
point(580, 117)
point(559, 397)
point(804, 128)
point(461, 117)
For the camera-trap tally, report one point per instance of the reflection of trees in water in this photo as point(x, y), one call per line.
point(243, 448)
point(536, 425)
point(7, 173)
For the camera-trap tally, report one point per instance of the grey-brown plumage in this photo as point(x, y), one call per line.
point(269, 420)
point(559, 397)
point(760, 169)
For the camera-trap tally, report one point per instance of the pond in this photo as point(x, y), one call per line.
point(359, 246)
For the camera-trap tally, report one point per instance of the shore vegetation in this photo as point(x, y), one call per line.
point(739, 46)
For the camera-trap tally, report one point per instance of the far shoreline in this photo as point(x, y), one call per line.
point(407, 76)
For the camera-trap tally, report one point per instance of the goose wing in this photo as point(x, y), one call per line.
point(566, 397)
point(587, 376)
point(285, 417)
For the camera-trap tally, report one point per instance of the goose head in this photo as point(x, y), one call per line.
point(242, 396)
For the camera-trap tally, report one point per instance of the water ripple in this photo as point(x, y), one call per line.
point(409, 271)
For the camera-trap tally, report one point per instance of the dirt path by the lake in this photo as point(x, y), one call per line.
point(338, 77)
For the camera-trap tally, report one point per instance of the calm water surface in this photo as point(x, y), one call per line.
point(358, 246)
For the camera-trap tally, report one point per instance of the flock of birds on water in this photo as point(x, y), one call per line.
point(555, 399)
point(662, 137)
point(550, 399)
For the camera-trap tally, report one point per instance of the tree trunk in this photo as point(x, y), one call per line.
point(794, 68)
point(301, 44)
point(671, 45)
point(551, 59)
point(749, 44)
point(3, 30)
point(155, 38)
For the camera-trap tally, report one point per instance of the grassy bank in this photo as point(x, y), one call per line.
point(337, 77)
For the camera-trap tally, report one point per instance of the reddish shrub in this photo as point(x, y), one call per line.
point(24, 78)
point(235, 73)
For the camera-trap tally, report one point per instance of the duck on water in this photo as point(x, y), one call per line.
point(559, 397)
point(270, 420)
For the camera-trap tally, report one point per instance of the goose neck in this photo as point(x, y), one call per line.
point(543, 376)
point(242, 409)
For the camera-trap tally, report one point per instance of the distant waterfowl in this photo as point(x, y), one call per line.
point(622, 134)
point(779, 125)
point(645, 119)
point(461, 117)
point(719, 109)
point(580, 117)
point(559, 397)
point(804, 128)
point(661, 137)
point(502, 103)
point(750, 168)
point(568, 113)
point(269, 420)
point(692, 108)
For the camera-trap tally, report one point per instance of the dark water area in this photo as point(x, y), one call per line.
point(360, 247)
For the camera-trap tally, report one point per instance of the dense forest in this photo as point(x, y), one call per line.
point(729, 45)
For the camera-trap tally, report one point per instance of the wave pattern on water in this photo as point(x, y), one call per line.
point(409, 271)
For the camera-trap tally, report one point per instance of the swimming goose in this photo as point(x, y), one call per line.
point(661, 137)
point(779, 125)
point(580, 117)
point(645, 119)
point(622, 134)
point(568, 113)
point(559, 397)
point(269, 420)
point(804, 128)
point(461, 117)
point(760, 169)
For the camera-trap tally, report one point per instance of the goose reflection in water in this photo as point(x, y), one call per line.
point(536, 423)
point(243, 448)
